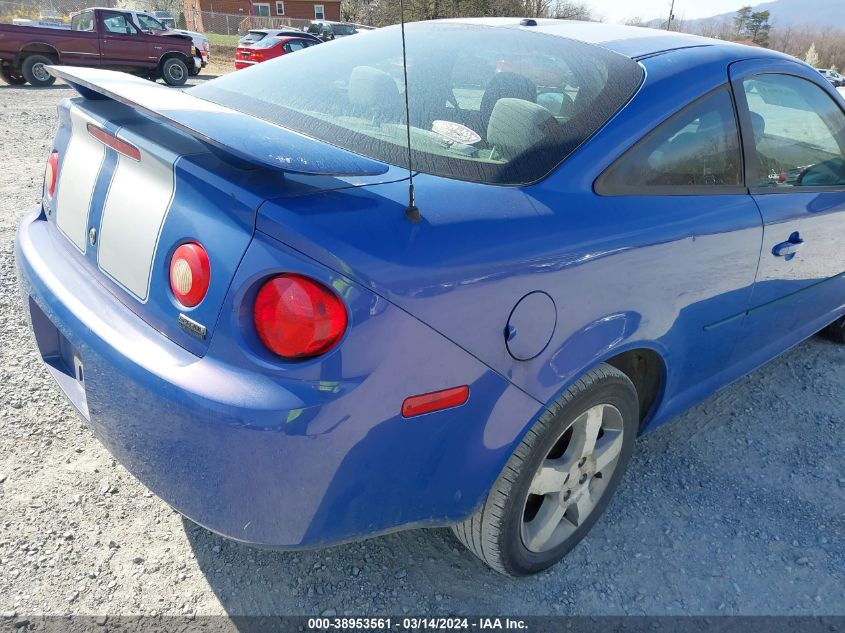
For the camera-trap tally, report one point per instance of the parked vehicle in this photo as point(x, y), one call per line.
point(294, 349)
point(832, 76)
point(269, 48)
point(151, 25)
point(97, 37)
point(256, 35)
point(327, 30)
point(46, 19)
point(165, 18)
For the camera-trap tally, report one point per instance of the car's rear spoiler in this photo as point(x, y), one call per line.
point(240, 135)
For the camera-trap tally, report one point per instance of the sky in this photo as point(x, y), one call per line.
point(619, 10)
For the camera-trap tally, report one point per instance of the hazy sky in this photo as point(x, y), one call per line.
point(619, 10)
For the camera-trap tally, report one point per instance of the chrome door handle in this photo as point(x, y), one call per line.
point(789, 248)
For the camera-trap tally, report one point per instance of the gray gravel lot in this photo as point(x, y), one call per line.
point(736, 507)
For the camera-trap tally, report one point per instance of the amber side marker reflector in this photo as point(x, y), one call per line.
point(110, 140)
point(435, 401)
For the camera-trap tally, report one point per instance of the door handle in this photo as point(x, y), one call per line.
point(789, 248)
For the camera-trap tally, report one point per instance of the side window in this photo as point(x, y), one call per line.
point(799, 133)
point(293, 46)
point(82, 22)
point(118, 23)
point(697, 147)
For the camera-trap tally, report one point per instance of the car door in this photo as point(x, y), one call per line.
point(123, 43)
point(793, 129)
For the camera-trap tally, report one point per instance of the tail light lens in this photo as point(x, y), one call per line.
point(190, 274)
point(257, 56)
point(297, 317)
point(51, 174)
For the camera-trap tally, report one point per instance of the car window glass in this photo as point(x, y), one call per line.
point(522, 102)
point(799, 133)
point(82, 22)
point(117, 23)
point(698, 147)
point(147, 22)
point(294, 45)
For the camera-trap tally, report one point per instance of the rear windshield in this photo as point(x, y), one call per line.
point(343, 29)
point(492, 105)
point(252, 36)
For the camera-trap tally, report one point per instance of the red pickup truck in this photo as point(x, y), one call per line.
point(104, 38)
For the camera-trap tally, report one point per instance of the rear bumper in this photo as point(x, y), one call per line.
point(258, 457)
point(240, 64)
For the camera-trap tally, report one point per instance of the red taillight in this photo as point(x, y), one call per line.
point(190, 274)
point(435, 401)
point(51, 174)
point(115, 143)
point(257, 56)
point(296, 317)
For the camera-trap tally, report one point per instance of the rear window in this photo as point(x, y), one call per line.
point(343, 29)
point(251, 37)
point(492, 105)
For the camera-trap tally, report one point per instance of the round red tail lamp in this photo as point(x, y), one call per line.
point(297, 317)
point(51, 174)
point(190, 274)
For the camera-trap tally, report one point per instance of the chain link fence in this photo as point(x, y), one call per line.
point(235, 24)
point(57, 12)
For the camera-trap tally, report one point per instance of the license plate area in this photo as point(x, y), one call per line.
point(63, 360)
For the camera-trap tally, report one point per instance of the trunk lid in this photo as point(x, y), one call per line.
point(131, 188)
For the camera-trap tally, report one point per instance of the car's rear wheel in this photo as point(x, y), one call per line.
point(560, 478)
point(193, 72)
point(34, 70)
point(174, 72)
point(12, 78)
point(835, 331)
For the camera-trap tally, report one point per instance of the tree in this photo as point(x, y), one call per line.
point(812, 57)
point(741, 21)
point(758, 27)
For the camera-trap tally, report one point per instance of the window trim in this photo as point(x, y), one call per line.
point(322, 15)
point(602, 189)
point(280, 2)
point(749, 147)
point(261, 4)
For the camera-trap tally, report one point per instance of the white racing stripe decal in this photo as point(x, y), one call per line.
point(80, 167)
point(136, 205)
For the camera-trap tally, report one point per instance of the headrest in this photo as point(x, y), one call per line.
point(371, 88)
point(517, 125)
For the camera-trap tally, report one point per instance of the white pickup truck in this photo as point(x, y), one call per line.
point(148, 22)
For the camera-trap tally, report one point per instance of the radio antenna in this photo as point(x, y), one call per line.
point(411, 212)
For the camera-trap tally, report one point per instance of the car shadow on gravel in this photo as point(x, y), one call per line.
point(736, 507)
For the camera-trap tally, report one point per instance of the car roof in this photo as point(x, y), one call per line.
point(631, 41)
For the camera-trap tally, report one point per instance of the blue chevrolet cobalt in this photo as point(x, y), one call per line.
point(239, 290)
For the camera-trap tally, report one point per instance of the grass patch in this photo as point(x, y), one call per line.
point(223, 41)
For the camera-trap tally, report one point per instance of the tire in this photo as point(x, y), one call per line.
point(11, 77)
point(193, 72)
point(498, 531)
point(835, 331)
point(174, 72)
point(33, 69)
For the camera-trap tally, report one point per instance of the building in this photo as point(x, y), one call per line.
point(293, 9)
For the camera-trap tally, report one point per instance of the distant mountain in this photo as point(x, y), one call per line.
point(785, 13)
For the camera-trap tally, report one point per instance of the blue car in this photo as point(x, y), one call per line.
point(239, 291)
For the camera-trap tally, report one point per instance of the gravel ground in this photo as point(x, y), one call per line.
point(738, 507)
